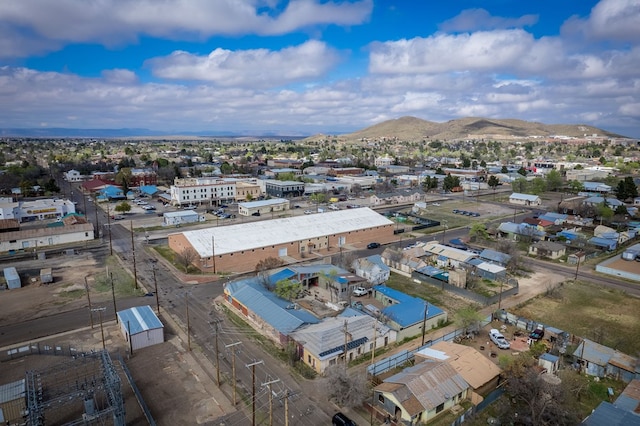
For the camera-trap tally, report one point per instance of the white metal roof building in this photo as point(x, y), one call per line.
point(290, 236)
point(141, 327)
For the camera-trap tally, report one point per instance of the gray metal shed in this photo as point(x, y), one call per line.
point(46, 276)
point(12, 278)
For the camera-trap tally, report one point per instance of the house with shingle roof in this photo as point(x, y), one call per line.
point(547, 249)
point(421, 393)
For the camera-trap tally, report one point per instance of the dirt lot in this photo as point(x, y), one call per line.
point(172, 381)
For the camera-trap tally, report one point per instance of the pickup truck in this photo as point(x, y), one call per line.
point(497, 338)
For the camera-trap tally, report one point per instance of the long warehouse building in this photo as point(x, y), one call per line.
point(239, 248)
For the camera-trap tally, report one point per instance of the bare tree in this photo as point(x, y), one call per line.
point(186, 257)
point(537, 401)
point(264, 266)
point(347, 390)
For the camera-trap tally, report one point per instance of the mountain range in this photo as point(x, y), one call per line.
point(403, 129)
point(416, 129)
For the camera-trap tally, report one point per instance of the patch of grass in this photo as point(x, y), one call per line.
point(72, 294)
point(604, 315)
point(122, 281)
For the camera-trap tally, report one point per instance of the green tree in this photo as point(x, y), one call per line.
point(468, 319)
point(124, 178)
point(51, 186)
point(225, 168)
point(478, 231)
point(504, 169)
point(123, 207)
point(604, 212)
point(520, 185)
point(493, 183)
point(575, 186)
point(450, 182)
point(554, 180)
point(538, 186)
point(522, 171)
point(288, 289)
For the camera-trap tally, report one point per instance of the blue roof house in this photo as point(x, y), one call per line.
point(111, 192)
point(406, 314)
point(275, 317)
point(495, 257)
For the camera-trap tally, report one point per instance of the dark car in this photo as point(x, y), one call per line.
point(537, 334)
point(340, 419)
point(373, 245)
point(255, 214)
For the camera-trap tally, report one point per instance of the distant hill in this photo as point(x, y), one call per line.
point(416, 129)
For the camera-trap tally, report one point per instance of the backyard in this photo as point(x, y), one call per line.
point(603, 315)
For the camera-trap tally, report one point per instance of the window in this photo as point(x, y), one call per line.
point(381, 398)
point(440, 407)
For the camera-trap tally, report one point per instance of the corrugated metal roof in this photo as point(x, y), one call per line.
point(608, 414)
point(449, 252)
point(269, 307)
point(139, 319)
point(408, 310)
point(474, 367)
point(526, 197)
point(182, 213)
point(495, 256)
point(263, 203)
point(593, 352)
point(12, 391)
point(327, 337)
point(432, 383)
point(254, 235)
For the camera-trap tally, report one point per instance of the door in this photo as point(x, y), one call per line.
point(282, 252)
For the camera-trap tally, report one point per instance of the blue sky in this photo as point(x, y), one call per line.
point(309, 66)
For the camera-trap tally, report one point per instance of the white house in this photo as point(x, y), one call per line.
point(203, 190)
point(73, 176)
point(525, 199)
point(180, 217)
point(372, 268)
point(141, 327)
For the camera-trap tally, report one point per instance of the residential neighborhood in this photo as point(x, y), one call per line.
point(403, 277)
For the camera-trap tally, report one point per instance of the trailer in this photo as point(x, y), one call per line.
point(12, 278)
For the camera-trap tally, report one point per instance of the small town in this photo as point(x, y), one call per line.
point(319, 212)
point(283, 287)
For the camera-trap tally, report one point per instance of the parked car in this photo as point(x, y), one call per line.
point(255, 214)
point(373, 245)
point(537, 334)
point(148, 207)
point(308, 212)
point(117, 217)
point(340, 419)
point(497, 338)
point(360, 291)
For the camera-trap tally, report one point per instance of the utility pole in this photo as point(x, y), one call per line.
point(86, 287)
point(500, 296)
point(233, 367)
point(424, 321)
point(155, 283)
point(109, 226)
point(113, 295)
point(444, 230)
point(216, 323)
point(286, 407)
point(575, 278)
point(375, 332)
point(133, 252)
point(99, 310)
point(130, 341)
point(253, 390)
point(186, 301)
point(269, 383)
point(95, 206)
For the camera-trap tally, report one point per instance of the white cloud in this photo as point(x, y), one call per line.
point(500, 50)
point(615, 20)
point(480, 19)
point(45, 24)
point(249, 68)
